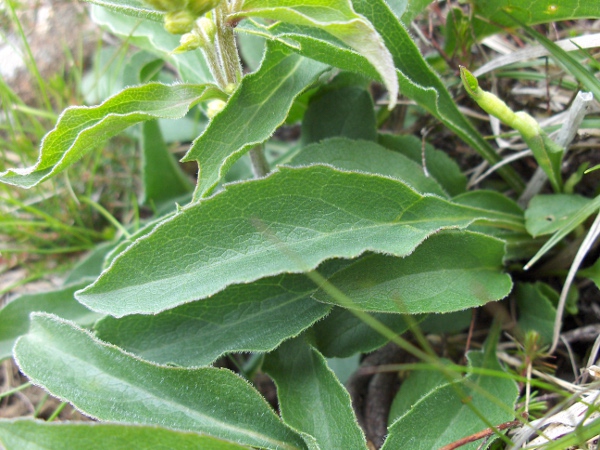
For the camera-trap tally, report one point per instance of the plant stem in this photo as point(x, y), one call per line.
point(260, 166)
point(225, 39)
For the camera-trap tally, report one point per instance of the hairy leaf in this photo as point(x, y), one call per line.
point(104, 382)
point(253, 113)
point(27, 434)
point(80, 128)
point(246, 317)
point(311, 398)
point(290, 221)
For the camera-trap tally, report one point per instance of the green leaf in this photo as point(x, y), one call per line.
point(132, 8)
point(104, 382)
point(420, 83)
point(569, 224)
point(342, 334)
point(593, 273)
point(368, 157)
point(80, 129)
point(432, 279)
point(290, 221)
point(14, 317)
point(311, 398)
point(27, 434)
point(536, 311)
point(252, 114)
point(547, 214)
point(418, 384)
point(348, 112)
point(152, 37)
point(407, 10)
point(440, 166)
point(491, 15)
point(246, 317)
point(91, 265)
point(163, 180)
point(456, 409)
point(337, 18)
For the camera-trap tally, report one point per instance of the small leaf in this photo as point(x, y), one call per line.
point(14, 317)
point(134, 8)
point(449, 410)
point(450, 271)
point(290, 221)
point(337, 18)
point(311, 398)
point(547, 214)
point(246, 317)
point(104, 382)
point(252, 114)
point(368, 157)
point(163, 180)
point(80, 129)
point(36, 434)
point(536, 311)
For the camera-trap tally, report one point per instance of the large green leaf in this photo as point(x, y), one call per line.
point(456, 409)
point(252, 114)
point(27, 434)
point(547, 214)
point(245, 317)
point(152, 37)
point(311, 398)
point(163, 180)
point(536, 311)
point(80, 129)
point(450, 271)
point(289, 221)
point(417, 79)
point(14, 317)
point(104, 382)
point(369, 157)
point(337, 18)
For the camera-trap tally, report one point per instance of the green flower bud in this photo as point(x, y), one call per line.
point(188, 42)
point(179, 22)
point(207, 28)
point(201, 7)
point(167, 5)
point(214, 107)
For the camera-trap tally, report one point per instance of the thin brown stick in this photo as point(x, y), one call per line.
point(480, 435)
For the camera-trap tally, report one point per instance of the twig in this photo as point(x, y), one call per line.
point(481, 434)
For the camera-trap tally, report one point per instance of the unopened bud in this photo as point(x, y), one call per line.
point(188, 42)
point(201, 7)
point(179, 22)
point(207, 27)
point(214, 107)
point(167, 5)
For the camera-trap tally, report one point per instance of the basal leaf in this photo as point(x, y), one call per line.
point(450, 271)
point(348, 112)
point(337, 18)
point(547, 214)
point(246, 317)
point(441, 167)
point(104, 382)
point(163, 180)
point(253, 113)
point(536, 311)
point(14, 317)
point(81, 128)
point(342, 334)
point(290, 221)
point(27, 434)
point(368, 157)
point(311, 398)
point(134, 8)
point(456, 409)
